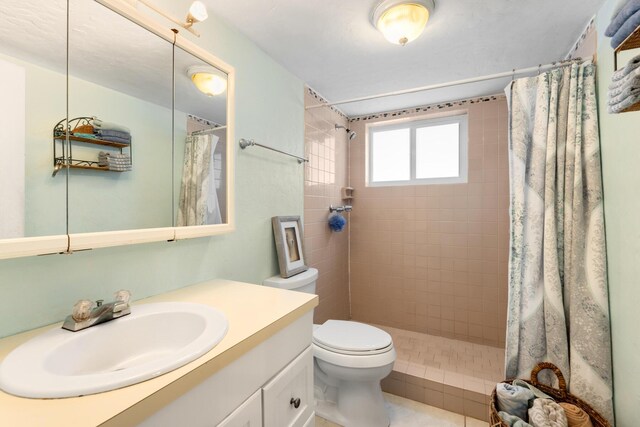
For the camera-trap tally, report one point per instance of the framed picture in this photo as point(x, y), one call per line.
point(287, 231)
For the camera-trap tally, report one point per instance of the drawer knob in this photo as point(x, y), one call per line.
point(295, 402)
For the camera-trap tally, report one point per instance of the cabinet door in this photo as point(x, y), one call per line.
point(249, 414)
point(287, 400)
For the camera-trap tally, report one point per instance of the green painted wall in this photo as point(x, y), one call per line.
point(620, 140)
point(269, 108)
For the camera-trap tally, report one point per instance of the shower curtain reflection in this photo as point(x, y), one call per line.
point(199, 204)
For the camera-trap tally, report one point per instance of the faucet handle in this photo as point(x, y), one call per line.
point(82, 310)
point(123, 295)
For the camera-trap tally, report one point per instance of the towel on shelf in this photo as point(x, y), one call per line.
point(84, 135)
point(115, 162)
point(625, 91)
point(631, 7)
point(547, 413)
point(625, 31)
point(631, 80)
point(114, 136)
point(514, 399)
point(622, 95)
point(625, 103)
point(576, 417)
point(111, 132)
point(99, 124)
point(103, 159)
point(632, 65)
point(512, 420)
point(115, 139)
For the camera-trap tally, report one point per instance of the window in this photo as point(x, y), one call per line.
point(432, 151)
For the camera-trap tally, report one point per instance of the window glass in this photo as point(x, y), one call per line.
point(391, 155)
point(438, 151)
point(427, 151)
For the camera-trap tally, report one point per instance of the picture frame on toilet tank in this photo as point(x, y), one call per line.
point(287, 232)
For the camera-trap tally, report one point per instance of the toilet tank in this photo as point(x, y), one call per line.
point(301, 282)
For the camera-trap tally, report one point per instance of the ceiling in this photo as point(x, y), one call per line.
point(106, 49)
point(332, 46)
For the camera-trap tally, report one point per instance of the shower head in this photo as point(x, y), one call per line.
point(350, 134)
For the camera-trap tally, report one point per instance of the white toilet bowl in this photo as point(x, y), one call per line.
point(350, 359)
point(348, 371)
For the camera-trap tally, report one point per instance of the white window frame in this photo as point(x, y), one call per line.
point(463, 150)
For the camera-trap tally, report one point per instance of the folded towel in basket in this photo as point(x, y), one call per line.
point(514, 399)
point(534, 390)
point(576, 417)
point(631, 7)
point(512, 420)
point(547, 413)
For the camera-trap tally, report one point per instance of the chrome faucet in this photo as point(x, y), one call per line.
point(88, 313)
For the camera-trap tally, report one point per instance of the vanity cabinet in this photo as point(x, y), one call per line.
point(288, 398)
point(269, 386)
point(249, 414)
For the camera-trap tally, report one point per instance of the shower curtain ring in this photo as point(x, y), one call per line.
point(539, 66)
point(513, 75)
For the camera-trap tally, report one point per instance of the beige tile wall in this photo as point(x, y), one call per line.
point(325, 175)
point(434, 258)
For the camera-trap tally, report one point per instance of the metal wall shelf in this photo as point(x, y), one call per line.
point(66, 160)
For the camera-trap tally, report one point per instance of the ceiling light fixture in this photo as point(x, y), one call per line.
point(197, 13)
point(206, 80)
point(402, 21)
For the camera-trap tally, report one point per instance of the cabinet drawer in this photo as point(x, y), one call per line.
point(311, 422)
point(292, 387)
point(249, 414)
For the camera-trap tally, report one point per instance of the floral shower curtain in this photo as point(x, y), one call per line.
point(199, 203)
point(558, 299)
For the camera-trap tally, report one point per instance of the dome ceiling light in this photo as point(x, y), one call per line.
point(402, 21)
point(207, 80)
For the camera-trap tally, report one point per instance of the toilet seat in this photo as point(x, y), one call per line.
point(352, 344)
point(347, 337)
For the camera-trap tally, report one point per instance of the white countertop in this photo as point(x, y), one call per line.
point(255, 313)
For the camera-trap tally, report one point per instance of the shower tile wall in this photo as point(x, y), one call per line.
point(434, 258)
point(325, 175)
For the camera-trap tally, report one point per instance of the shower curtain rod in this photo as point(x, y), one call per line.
point(513, 73)
point(205, 131)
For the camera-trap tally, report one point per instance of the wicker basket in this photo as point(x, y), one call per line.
point(559, 394)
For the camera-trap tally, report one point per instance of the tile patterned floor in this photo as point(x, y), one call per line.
point(453, 375)
point(407, 413)
point(455, 362)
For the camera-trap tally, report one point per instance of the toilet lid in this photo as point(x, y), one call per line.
point(343, 335)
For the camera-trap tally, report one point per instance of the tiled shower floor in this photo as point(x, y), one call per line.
point(454, 375)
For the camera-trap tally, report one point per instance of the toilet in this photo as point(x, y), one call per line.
point(350, 360)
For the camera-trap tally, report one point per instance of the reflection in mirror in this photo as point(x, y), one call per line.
point(200, 142)
point(121, 84)
point(32, 101)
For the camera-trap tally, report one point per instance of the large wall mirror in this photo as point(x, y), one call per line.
point(123, 138)
point(33, 87)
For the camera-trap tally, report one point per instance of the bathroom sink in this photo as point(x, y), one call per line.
point(153, 340)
